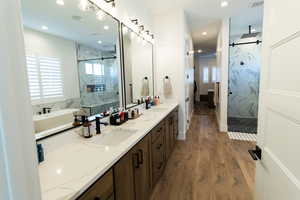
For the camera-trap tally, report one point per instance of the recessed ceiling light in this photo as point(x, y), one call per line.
point(106, 27)
point(44, 27)
point(204, 33)
point(99, 42)
point(60, 2)
point(224, 4)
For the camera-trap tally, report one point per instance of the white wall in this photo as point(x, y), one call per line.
point(170, 59)
point(209, 61)
point(222, 64)
point(16, 127)
point(53, 46)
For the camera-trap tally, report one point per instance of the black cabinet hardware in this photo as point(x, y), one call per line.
point(141, 157)
point(135, 160)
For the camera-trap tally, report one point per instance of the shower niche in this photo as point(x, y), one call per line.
point(244, 73)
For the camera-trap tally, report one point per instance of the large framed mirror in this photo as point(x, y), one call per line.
point(137, 67)
point(73, 61)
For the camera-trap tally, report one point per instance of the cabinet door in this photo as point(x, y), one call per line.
point(168, 137)
point(175, 126)
point(124, 180)
point(103, 189)
point(142, 170)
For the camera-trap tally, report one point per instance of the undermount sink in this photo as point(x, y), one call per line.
point(112, 137)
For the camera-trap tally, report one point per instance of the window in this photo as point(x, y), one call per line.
point(214, 74)
point(205, 75)
point(44, 77)
point(94, 69)
point(88, 68)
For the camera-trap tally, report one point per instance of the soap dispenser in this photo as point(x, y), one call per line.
point(86, 127)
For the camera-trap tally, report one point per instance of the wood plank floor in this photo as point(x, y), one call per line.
point(208, 165)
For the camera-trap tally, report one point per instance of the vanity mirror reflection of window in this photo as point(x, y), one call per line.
point(138, 67)
point(73, 61)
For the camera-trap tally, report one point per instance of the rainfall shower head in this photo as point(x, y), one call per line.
point(250, 34)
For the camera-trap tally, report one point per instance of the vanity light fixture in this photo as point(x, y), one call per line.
point(60, 2)
point(113, 3)
point(106, 27)
point(100, 15)
point(142, 27)
point(44, 27)
point(135, 21)
point(204, 33)
point(224, 4)
point(99, 42)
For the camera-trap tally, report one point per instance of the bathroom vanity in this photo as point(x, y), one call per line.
point(122, 163)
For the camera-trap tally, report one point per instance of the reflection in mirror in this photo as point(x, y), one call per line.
point(138, 67)
point(73, 61)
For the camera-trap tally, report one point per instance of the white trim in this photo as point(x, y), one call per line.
point(282, 167)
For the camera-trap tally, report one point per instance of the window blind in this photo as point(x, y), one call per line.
point(45, 77)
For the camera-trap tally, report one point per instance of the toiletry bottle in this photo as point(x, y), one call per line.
point(98, 130)
point(76, 121)
point(87, 128)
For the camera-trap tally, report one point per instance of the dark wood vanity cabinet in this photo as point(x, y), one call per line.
point(134, 176)
point(163, 140)
point(103, 189)
point(132, 173)
point(158, 152)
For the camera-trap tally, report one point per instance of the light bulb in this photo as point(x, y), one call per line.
point(100, 15)
point(83, 5)
point(60, 2)
point(224, 4)
point(139, 39)
point(106, 27)
point(132, 35)
point(44, 27)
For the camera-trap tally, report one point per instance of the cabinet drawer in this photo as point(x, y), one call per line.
point(158, 158)
point(103, 189)
point(157, 131)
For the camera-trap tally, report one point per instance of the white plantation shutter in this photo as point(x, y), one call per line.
point(45, 77)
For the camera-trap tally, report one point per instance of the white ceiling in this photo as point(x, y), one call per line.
point(58, 19)
point(203, 15)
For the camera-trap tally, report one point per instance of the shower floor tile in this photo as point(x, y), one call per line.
point(242, 125)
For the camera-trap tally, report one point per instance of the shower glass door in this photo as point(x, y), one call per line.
point(244, 74)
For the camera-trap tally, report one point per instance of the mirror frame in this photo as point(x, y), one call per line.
point(123, 66)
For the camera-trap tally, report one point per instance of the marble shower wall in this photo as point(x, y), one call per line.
point(244, 74)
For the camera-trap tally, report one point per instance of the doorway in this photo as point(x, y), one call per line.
point(244, 72)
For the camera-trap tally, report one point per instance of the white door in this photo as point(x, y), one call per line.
point(278, 173)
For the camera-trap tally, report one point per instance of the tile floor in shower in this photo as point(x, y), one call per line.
point(242, 125)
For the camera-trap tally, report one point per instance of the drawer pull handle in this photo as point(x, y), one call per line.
point(135, 160)
point(141, 157)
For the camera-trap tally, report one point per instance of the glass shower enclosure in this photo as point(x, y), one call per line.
point(244, 74)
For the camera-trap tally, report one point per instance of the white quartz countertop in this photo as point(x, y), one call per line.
point(72, 164)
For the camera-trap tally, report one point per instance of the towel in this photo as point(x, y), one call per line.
point(145, 91)
point(167, 87)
